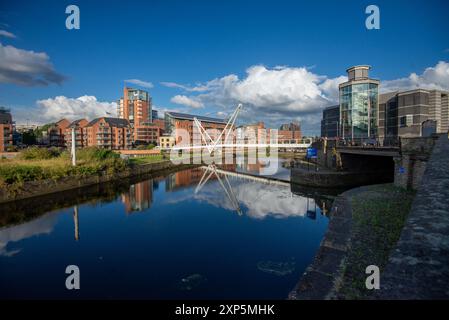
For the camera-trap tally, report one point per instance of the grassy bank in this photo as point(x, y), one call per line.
point(379, 213)
point(39, 164)
point(148, 159)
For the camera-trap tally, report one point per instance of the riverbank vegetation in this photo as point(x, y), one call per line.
point(379, 213)
point(42, 163)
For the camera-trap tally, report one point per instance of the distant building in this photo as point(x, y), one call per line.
point(413, 113)
point(330, 121)
point(109, 133)
point(80, 127)
point(6, 129)
point(359, 104)
point(364, 113)
point(135, 106)
point(55, 134)
point(146, 133)
point(166, 141)
point(154, 114)
point(175, 121)
point(139, 197)
point(289, 133)
point(257, 133)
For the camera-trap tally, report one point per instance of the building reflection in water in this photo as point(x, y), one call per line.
point(253, 165)
point(139, 197)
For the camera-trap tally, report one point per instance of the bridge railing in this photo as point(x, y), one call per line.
point(394, 142)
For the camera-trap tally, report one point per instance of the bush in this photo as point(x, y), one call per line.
point(14, 174)
point(36, 153)
point(95, 154)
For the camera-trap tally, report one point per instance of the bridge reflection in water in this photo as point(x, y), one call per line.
point(175, 226)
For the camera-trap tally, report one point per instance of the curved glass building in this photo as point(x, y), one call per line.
point(359, 104)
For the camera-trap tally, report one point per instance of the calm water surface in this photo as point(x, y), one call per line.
point(164, 237)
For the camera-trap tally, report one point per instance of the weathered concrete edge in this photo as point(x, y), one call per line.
point(43, 187)
point(322, 278)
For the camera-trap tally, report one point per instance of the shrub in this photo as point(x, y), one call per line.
point(18, 174)
point(36, 153)
point(95, 154)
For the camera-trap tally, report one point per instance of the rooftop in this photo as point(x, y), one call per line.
point(113, 122)
point(186, 116)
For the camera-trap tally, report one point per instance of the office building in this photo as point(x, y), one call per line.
point(154, 114)
point(364, 113)
point(359, 104)
point(413, 113)
point(6, 129)
point(330, 122)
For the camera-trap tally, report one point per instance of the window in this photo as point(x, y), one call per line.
point(406, 121)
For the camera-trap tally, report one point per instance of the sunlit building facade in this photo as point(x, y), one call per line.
point(359, 105)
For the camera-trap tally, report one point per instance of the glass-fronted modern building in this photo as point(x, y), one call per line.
point(359, 104)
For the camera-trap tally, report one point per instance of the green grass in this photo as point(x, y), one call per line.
point(379, 214)
point(147, 159)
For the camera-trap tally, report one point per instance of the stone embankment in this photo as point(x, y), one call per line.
point(418, 268)
point(416, 264)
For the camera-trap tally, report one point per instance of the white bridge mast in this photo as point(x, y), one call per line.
point(210, 143)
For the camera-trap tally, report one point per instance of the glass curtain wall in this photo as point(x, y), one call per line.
point(358, 108)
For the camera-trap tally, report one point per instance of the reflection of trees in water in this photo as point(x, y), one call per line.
point(21, 211)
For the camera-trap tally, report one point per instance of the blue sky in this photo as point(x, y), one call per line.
point(193, 42)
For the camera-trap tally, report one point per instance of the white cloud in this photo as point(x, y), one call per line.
point(141, 83)
point(436, 77)
point(40, 226)
point(54, 109)
point(4, 33)
point(27, 68)
point(199, 88)
point(260, 200)
point(279, 94)
point(186, 101)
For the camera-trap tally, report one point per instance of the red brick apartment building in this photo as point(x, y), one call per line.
point(287, 133)
point(6, 129)
point(109, 133)
point(80, 127)
point(56, 133)
point(175, 121)
point(135, 106)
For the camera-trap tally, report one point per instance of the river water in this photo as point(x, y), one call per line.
point(178, 235)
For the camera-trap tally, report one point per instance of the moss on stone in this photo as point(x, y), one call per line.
point(379, 213)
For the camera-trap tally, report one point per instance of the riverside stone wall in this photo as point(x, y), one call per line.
point(410, 166)
point(418, 268)
point(43, 187)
